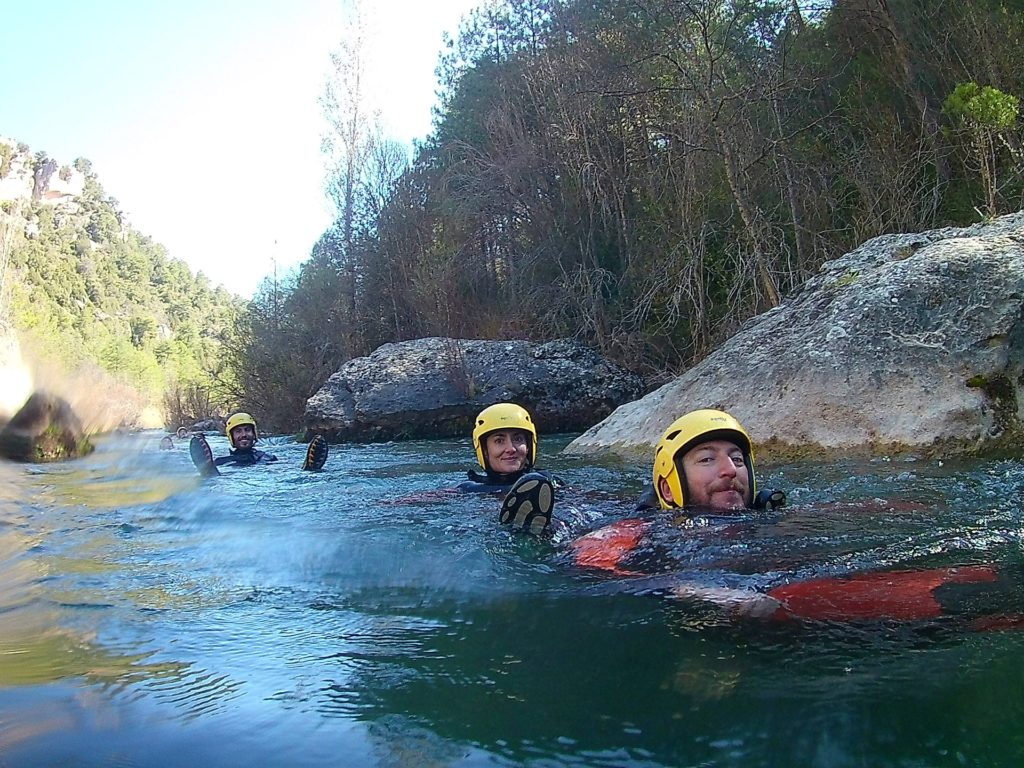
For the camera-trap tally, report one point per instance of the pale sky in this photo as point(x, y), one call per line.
point(201, 117)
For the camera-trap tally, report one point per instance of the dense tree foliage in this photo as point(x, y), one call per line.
point(647, 174)
point(83, 289)
point(290, 340)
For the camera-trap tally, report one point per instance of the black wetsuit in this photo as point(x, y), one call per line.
point(245, 458)
point(765, 499)
point(648, 499)
point(495, 482)
point(988, 595)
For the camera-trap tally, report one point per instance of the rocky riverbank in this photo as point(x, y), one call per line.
point(912, 343)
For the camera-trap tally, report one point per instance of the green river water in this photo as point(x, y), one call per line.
point(271, 617)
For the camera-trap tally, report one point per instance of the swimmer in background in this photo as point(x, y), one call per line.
point(242, 436)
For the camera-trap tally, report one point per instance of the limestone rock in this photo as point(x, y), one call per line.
point(909, 343)
point(50, 183)
point(434, 387)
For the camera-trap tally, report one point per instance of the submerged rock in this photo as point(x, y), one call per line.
point(434, 387)
point(909, 343)
point(45, 429)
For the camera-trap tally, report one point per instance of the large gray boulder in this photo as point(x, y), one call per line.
point(910, 343)
point(434, 387)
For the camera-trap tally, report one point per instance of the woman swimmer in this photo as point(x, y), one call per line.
point(505, 440)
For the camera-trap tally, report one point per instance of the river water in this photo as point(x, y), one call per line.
point(274, 617)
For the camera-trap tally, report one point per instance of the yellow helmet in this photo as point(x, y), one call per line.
point(686, 432)
point(503, 416)
point(237, 420)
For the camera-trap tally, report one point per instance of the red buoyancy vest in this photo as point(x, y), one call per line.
point(606, 547)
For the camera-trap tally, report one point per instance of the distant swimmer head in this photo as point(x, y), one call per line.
point(500, 432)
point(166, 444)
point(241, 430)
point(704, 458)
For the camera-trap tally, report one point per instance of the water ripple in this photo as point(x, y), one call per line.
point(271, 613)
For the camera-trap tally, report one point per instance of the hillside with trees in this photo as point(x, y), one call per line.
point(644, 175)
point(96, 302)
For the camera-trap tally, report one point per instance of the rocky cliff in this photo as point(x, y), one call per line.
point(26, 176)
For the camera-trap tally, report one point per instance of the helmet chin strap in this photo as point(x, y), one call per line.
point(683, 484)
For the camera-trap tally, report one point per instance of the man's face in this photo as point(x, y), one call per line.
point(506, 450)
point(716, 475)
point(243, 437)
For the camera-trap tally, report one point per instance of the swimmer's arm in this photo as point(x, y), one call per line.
point(743, 602)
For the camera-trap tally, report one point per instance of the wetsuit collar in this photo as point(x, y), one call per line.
point(496, 478)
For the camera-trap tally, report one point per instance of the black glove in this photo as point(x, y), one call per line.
point(769, 499)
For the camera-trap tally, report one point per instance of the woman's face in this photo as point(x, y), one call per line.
point(506, 450)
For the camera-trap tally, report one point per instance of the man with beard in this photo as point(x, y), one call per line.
point(242, 435)
point(703, 479)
